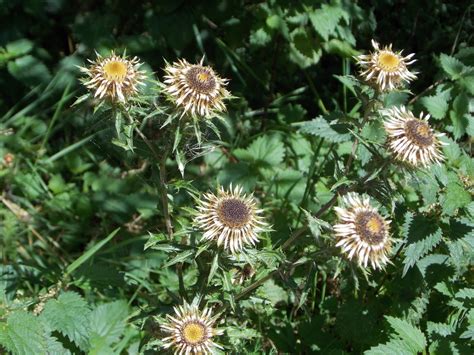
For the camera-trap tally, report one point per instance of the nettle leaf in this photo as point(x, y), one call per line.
point(451, 66)
point(108, 322)
point(326, 19)
point(304, 50)
point(24, 334)
point(417, 250)
point(410, 335)
point(421, 237)
point(260, 37)
point(265, 150)
point(69, 315)
point(459, 116)
point(273, 292)
point(454, 198)
point(440, 328)
point(391, 347)
point(437, 105)
point(333, 132)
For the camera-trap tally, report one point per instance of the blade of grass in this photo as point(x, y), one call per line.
point(88, 254)
point(69, 149)
point(58, 110)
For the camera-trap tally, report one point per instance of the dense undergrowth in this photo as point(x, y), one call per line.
point(98, 232)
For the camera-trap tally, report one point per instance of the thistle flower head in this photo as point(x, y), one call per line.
point(412, 139)
point(115, 77)
point(385, 68)
point(363, 232)
point(195, 89)
point(231, 218)
point(191, 330)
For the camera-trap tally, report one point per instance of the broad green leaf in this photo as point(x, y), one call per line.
point(24, 334)
point(19, 47)
point(415, 251)
point(29, 70)
point(69, 315)
point(452, 66)
point(393, 347)
point(454, 198)
point(304, 49)
point(267, 151)
point(326, 19)
point(437, 105)
point(333, 132)
point(273, 292)
point(107, 323)
point(411, 336)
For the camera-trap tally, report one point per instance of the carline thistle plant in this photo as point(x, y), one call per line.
point(232, 219)
point(191, 330)
point(114, 77)
point(384, 68)
point(195, 89)
point(412, 139)
point(363, 232)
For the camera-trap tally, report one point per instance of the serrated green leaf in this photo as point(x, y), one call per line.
point(23, 334)
point(439, 328)
point(465, 293)
point(108, 323)
point(333, 132)
point(393, 347)
point(452, 66)
point(415, 251)
point(266, 151)
point(272, 292)
point(260, 37)
point(69, 315)
point(454, 198)
point(326, 19)
point(411, 336)
point(437, 105)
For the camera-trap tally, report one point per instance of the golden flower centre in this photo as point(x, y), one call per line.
point(370, 227)
point(388, 61)
point(233, 213)
point(193, 333)
point(115, 70)
point(419, 132)
point(201, 79)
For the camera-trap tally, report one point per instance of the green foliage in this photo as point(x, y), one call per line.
point(407, 339)
point(98, 235)
point(24, 334)
point(69, 315)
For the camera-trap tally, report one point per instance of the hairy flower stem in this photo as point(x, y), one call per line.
point(368, 110)
point(162, 171)
point(164, 194)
